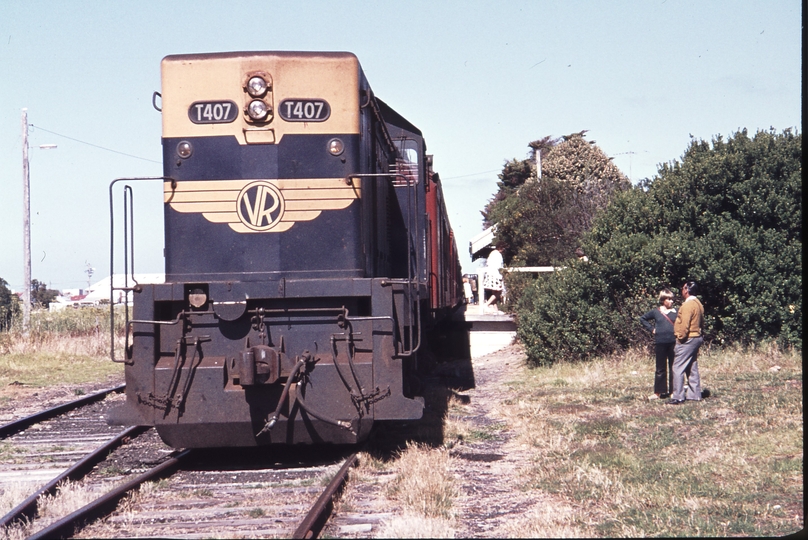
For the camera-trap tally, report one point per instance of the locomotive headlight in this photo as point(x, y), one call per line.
point(257, 110)
point(256, 86)
point(184, 149)
point(336, 147)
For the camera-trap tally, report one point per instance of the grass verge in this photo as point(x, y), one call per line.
point(731, 464)
point(424, 488)
point(70, 347)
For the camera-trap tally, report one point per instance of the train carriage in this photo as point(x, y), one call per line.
point(305, 257)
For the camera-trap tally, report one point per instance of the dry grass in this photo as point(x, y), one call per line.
point(729, 465)
point(411, 525)
point(544, 521)
point(69, 497)
point(13, 493)
point(67, 347)
point(456, 428)
point(425, 488)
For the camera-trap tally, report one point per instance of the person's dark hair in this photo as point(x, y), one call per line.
point(692, 288)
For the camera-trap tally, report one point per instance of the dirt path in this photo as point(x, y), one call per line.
point(488, 466)
point(487, 462)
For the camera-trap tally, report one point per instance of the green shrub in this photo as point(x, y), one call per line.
point(728, 216)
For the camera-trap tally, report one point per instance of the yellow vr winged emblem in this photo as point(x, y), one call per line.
point(256, 205)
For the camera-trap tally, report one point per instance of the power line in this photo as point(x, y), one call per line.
point(93, 145)
point(472, 174)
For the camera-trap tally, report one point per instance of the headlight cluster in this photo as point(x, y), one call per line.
point(259, 104)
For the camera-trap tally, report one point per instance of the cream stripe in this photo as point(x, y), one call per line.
point(221, 217)
point(280, 227)
point(213, 206)
point(319, 204)
point(300, 215)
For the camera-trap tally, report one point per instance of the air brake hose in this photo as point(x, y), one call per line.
point(284, 395)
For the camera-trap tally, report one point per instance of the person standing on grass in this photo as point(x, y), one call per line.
point(688, 331)
point(664, 342)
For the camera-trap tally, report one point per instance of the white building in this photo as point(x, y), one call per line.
point(99, 292)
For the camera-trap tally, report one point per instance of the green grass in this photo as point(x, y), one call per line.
point(256, 513)
point(731, 464)
point(486, 433)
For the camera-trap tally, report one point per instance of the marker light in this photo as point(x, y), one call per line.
point(197, 298)
point(257, 110)
point(336, 147)
point(256, 86)
point(184, 149)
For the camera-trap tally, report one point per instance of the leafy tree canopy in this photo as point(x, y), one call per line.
point(9, 305)
point(728, 215)
point(41, 295)
point(540, 220)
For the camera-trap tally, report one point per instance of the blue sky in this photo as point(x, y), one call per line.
point(480, 79)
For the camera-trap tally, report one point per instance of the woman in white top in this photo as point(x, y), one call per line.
point(493, 279)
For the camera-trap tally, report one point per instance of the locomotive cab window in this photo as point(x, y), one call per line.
point(409, 151)
point(408, 168)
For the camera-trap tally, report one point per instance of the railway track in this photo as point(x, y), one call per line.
point(164, 493)
point(187, 518)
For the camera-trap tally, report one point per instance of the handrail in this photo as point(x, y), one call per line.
point(413, 268)
point(129, 257)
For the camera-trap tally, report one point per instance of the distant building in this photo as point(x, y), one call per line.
point(98, 293)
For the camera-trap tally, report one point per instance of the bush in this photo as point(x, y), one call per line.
point(729, 215)
point(9, 305)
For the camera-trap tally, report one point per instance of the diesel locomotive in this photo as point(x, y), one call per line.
point(308, 256)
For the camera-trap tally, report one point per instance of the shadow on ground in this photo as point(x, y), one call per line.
point(449, 376)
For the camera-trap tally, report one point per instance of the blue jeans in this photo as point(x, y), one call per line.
point(686, 362)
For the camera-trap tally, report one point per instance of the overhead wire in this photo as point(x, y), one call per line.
point(94, 145)
point(472, 174)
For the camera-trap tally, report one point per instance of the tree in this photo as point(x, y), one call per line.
point(542, 220)
point(514, 174)
point(728, 214)
point(40, 294)
point(9, 305)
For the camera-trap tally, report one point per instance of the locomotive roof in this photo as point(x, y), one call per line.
point(392, 117)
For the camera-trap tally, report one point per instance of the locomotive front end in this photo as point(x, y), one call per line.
point(283, 318)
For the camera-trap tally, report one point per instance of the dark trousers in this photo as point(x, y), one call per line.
point(663, 377)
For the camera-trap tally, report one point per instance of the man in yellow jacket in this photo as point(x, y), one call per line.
point(688, 331)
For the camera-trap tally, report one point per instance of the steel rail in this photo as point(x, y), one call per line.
point(28, 507)
point(19, 425)
point(69, 525)
point(315, 520)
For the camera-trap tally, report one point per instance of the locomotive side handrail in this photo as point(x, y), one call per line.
point(129, 258)
point(413, 268)
point(374, 106)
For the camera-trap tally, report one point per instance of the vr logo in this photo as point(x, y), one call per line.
point(260, 206)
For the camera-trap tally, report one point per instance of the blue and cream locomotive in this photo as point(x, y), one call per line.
point(307, 256)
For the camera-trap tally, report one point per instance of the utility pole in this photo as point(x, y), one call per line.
point(90, 271)
point(537, 159)
point(26, 224)
point(26, 227)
